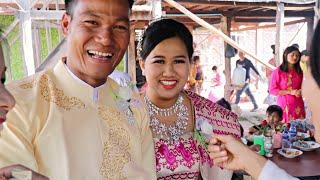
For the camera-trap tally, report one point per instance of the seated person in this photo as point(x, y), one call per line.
point(274, 117)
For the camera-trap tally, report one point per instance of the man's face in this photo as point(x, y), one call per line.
point(241, 55)
point(97, 37)
point(305, 58)
point(6, 100)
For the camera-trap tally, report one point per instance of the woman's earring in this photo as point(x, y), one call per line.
point(143, 74)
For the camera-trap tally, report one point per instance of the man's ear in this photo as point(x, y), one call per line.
point(65, 23)
point(142, 64)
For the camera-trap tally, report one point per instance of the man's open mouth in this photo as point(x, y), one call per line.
point(100, 55)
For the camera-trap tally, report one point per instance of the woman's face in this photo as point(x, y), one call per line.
point(293, 57)
point(166, 69)
point(6, 100)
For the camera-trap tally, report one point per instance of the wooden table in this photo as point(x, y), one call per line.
point(306, 165)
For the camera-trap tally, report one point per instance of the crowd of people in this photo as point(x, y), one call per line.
point(72, 121)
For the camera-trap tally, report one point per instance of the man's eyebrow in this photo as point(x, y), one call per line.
point(94, 14)
point(89, 13)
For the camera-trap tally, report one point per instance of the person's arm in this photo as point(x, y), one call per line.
point(228, 152)
point(272, 170)
point(253, 68)
point(17, 137)
point(20, 172)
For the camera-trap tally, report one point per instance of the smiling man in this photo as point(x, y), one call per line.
point(70, 122)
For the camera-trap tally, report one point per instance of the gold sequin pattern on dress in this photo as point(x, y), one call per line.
point(51, 93)
point(27, 85)
point(116, 148)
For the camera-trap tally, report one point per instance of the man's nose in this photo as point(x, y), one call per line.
point(105, 36)
point(7, 101)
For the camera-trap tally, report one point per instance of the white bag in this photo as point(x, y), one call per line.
point(239, 76)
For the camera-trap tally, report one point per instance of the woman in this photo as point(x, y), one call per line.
point(166, 50)
point(286, 83)
point(217, 89)
point(232, 154)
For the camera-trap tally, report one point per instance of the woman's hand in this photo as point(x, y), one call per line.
point(7, 172)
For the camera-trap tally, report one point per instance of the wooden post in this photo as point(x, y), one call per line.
point(316, 13)
point(279, 29)
point(225, 27)
point(156, 9)
point(310, 24)
point(37, 46)
point(48, 36)
point(132, 55)
point(27, 40)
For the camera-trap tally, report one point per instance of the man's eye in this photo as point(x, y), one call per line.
point(90, 22)
point(120, 27)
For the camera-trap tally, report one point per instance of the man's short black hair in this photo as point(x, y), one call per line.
point(68, 5)
point(305, 53)
point(275, 108)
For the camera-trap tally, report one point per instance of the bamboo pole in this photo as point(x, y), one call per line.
point(216, 31)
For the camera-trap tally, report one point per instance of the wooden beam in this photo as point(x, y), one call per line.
point(216, 31)
point(48, 37)
point(253, 20)
point(27, 40)
point(37, 46)
point(310, 25)
point(225, 27)
point(47, 14)
point(279, 30)
point(269, 26)
point(9, 29)
point(156, 9)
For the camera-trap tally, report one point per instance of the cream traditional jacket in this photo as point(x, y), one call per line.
point(68, 130)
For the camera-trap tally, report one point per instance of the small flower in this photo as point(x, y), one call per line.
point(264, 123)
point(125, 93)
point(206, 129)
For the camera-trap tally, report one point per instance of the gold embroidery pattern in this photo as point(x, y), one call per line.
point(28, 85)
point(51, 93)
point(289, 83)
point(116, 152)
point(298, 110)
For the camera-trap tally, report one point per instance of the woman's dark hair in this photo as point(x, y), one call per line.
point(161, 30)
point(224, 103)
point(275, 108)
point(285, 64)
point(315, 55)
point(214, 68)
point(70, 3)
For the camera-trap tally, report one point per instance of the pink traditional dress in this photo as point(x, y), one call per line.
point(187, 158)
point(292, 106)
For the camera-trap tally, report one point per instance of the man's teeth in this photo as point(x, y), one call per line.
point(97, 53)
point(168, 83)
